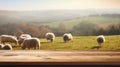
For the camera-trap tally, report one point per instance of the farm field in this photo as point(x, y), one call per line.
point(79, 43)
point(100, 20)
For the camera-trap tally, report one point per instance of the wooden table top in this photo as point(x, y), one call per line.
point(45, 57)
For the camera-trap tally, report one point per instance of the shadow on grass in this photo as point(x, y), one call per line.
point(52, 42)
point(96, 47)
point(45, 42)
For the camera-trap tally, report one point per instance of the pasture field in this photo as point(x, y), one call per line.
point(79, 43)
point(102, 21)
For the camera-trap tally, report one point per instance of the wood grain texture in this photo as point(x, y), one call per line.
point(41, 57)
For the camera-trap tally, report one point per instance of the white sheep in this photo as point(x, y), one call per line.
point(25, 35)
point(100, 40)
point(1, 46)
point(50, 36)
point(31, 43)
point(22, 37)
point(7, 47)
point(67, 37)
point(8, 38)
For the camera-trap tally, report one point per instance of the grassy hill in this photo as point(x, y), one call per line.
point(80, 43)
point(42, 16)
point(100, 20)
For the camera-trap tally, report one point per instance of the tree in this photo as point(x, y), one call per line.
point(85, 28)
point(112, 29)
point(18, 32)
point(43, 31)
point(60, 30)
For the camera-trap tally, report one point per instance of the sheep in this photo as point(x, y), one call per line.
point(67, 37)
point(8, 38)
point(31, 43)
point(7, 47)
point(50, 36)
point(22, 37)
point(25, 35)
point(1, 46)
point(100, 40)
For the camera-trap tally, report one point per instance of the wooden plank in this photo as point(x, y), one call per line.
point(40, 57)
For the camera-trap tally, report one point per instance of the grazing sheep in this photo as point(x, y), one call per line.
point(31, 43)
point(25, 35)
point(22, 37)
point(67, 37)
point(100, 40)
point(7, 47)
point(8, 38)
point(1, 46)
point(50, 36)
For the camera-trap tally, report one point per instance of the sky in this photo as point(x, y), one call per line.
point(22, 5)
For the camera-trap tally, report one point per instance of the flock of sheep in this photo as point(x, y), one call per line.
point(26, 41)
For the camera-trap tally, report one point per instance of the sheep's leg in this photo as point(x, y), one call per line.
point(100, 45)
point(51, 40)
point(65, 41)
point(28, 48)
point(38, 47)
point(35, 48)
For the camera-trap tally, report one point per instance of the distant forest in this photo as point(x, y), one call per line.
point(84, 28)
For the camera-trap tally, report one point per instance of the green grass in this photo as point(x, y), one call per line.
point(102, 21)
point(79, 43)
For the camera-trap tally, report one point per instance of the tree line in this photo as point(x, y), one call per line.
point(94, 29)
point(82, 29)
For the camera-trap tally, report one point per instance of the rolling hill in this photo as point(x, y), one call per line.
point(67, 17)
point(50, 15)
point(100, 20)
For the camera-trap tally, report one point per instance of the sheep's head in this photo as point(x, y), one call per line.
point(1, 46)
point(7, 47)
point(23, 47)
point(20, 41)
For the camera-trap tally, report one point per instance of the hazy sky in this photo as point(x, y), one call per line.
point(57, 4)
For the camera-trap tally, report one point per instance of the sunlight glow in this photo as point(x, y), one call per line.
point(57, 4)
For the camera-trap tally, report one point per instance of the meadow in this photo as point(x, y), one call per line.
point(79, 43)
point(100, 20)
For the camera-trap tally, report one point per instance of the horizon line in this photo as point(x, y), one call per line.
point(63, 9)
